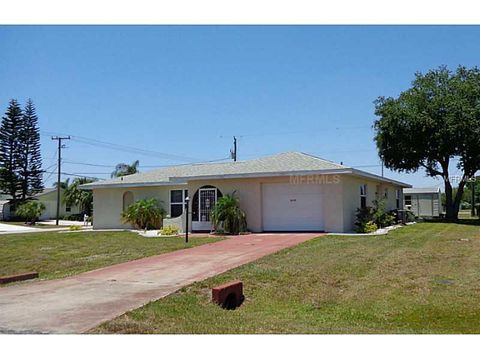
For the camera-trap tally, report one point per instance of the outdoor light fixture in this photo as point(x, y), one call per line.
point(186, 218)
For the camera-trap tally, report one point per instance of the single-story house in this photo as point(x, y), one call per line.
point(5, 207)
point(49, 198)
point(290, 191)
point(423, 202)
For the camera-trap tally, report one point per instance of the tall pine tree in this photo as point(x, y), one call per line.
point(10, 129)
point(30, 159)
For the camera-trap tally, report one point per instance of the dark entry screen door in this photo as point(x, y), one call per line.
point(208, 198)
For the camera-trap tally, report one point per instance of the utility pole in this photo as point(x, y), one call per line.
point(473, 197)
point(233, 153)
point(60, 146)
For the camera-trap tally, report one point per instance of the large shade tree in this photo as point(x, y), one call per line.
point(432, 125)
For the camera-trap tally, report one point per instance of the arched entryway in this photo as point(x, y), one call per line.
point(203, 202)
point(127, 200)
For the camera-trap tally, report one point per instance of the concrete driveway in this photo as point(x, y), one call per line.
point(11, 228)
point(79, 303)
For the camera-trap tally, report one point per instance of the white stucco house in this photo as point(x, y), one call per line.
point(285, 192)
point(49, 198)
point(423, 202)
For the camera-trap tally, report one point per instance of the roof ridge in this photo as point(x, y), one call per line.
point(321, 158)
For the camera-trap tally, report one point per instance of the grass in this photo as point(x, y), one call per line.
point(56, 255)
point(423, 278)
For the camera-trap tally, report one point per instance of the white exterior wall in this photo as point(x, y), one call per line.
point(375, 190)
point(340, 199)
point(108, 203)
point(50, 201)
point(249, 192)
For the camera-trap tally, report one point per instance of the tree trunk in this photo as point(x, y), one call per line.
point(452, 205)
point(449, 207)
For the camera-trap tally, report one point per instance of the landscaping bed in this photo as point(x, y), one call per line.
point(416, 279)
point(56, 255)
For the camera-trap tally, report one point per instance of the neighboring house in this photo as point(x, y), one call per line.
point(5, 207)
point(49, 198)
point(286, 192)
point(423, 202)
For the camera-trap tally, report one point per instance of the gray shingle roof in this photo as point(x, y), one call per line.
point(46, 191)
point(289, 162)
point(282, 164)
point(421, 190)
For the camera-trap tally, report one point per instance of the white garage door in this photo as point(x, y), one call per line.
point(292, 207)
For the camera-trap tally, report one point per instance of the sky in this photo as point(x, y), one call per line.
point(165, 95)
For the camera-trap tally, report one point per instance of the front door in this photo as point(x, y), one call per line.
point(207, 197)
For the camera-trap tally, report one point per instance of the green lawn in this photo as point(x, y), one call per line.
point(56, 255)
point(423, 278)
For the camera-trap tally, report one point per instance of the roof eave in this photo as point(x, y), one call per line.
point(265, 174)
point(99, 185)
point(380, 178)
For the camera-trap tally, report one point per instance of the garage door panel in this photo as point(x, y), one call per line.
point(289, 207)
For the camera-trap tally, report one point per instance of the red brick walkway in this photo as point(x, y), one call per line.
point(76, 304)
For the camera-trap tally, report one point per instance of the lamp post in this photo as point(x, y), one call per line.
point(186, 218)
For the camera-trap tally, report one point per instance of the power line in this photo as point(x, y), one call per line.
point(141, 166)
point(50, 175)
point(80, 175)
point(259, 134)
point(124, 148)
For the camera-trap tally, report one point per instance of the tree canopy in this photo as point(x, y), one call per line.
point(432, 123)
point(10, 149)
point(20, 158)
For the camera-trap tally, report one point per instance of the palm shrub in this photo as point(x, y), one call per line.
point(30, 211)
point(74, 196)
point(144, 214)
point(228, 214)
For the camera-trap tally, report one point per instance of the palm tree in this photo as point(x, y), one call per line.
point(75, 196)
point(228, 213)
point(123, 169)
point(63, 185)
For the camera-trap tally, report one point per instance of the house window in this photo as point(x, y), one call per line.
point(68, 209)
point(408, 201)
point(385, 193)
point(363, 196)
point(397, 197)
point(177, 201)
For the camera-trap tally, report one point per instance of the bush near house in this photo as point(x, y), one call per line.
point(169, 230)
point(144, 214)
point(369, 219)
point(227, 214)
point(30, 211)
point(409, 216)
